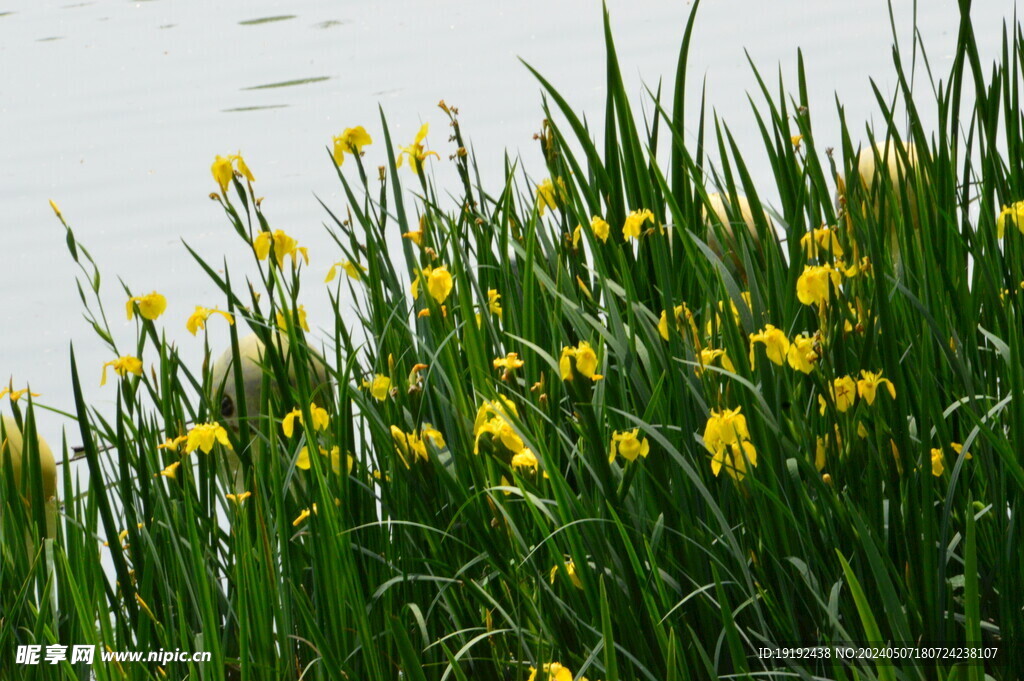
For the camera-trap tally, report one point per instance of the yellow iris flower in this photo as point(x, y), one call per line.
point(734, 459)
point(223, 169)
point(351, 141)
point(282, 244)
point(525, 458)
point(151, 306)
point(725, 427)
point(776, 344)
point(707, 356)
point(319, 415)
point(204, 435)
point(585, 360)
point(493, 303)
point(409, 445)
point(821, 241)
point(1015, 212)
point(303, 514)
point(335, 453)
point(634, 222)
point(813, 286)
point(123, 366)
point(570, 571)
point(680, 313)
point(509, 363)
point(283, 322)
point(415, 153)
point(843, 391)
point(353, 269)
point(197, 320)
point(801, 354)
point(171, 471)
point(439, 283)
point(173, 443)
point(438, 280)
point(14, 395)
point(379, 387)
point(629, 445)
point(550, 195)
point(555, 672)
point(600, 228)
point(868, 384)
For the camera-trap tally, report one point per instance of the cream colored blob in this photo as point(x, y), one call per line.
point(13, 443)
point(718, 203)
point(251, 353)
point(890, 157)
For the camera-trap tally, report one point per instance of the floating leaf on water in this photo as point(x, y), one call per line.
point(288, 83)
point(266, 20)
point(260, 107)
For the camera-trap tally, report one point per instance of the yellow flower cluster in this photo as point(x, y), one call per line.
point(549, 195)
point(727, 438)
point(680, 314)
point(582, 359)
point(223, 170)
point(238, 498)
point(939, 460)
point(598, 226)
point(204, 435)
point(555, 672)
point(284, 321)
point(492, 421)
point(282, 244)
point(709, 355)
point(844, 390)
point(821, 242)
point(801, 353)
point(414, 444)
point(318, 414)
point(303, 461)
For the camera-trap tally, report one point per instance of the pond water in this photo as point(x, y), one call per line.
point(116, 109)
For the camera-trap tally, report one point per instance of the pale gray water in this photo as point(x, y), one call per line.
point(116, 110)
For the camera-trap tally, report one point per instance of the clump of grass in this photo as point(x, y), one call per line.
point(581, 442)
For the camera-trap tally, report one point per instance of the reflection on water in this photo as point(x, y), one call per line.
point(119, 121)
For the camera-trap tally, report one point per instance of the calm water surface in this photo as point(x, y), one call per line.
point(116, 110)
